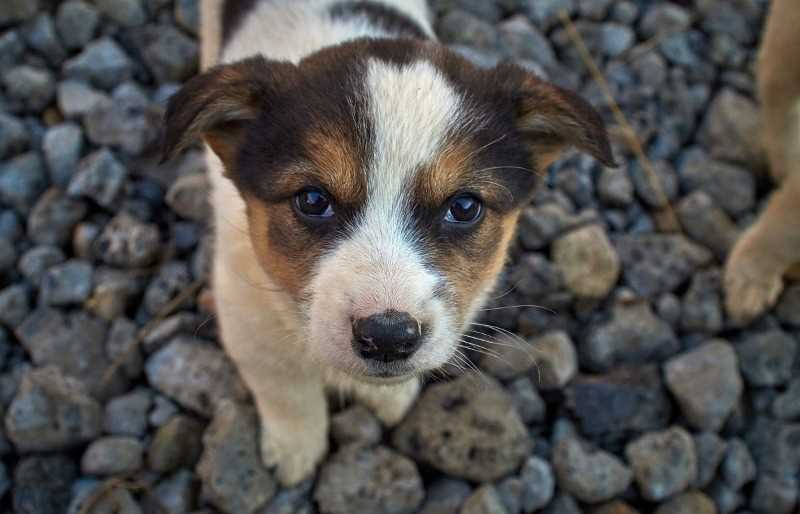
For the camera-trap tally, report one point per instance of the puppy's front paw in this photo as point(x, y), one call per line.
point(751, 285)
point(295, 453)
point(391, 403)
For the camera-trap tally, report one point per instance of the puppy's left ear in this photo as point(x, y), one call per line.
point(219, 104)
point(554, 119)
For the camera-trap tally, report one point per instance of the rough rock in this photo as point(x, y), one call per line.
point(194, 373)
point(62, 146)
point(728, 129)
point(707, 384)
point(633, 335)
point(188, 197)
point(485, 500)
point(588, 261)
point(702, 304)
point(127, 242)
point(731, 187)
point(556, 360)
point(776, 495)
point(663, 463)
point(42, 484)
point(22, 180)
point(234, 479)
point(590, 475)
point(445, 496)
point(688, 503)
point(527, 401)
point(788, 308)
point(14, 305)
point(738, 468)
point(710, 450)
point(707, 224)
point(364, 480)
point(33, 87)
point(112, 456)
point(102, 62)
point(170, 55)
point(355, 425)
point(126, 415)
point(467, 428)
point(76, 98)
point(76, 21)
point(127, 121)
point(51, 412)
point(67, 284)
point(127, 13)
point(100, 177)
point(653, 264)
point(53, 218)
point(766, 358)
point(176, 444)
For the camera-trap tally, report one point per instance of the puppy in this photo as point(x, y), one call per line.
point(769, 249)
point(366, 185)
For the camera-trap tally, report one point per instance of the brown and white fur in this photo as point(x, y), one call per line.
point(357, 100)
point(769, 249)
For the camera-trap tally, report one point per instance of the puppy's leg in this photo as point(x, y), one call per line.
point(753, 274)
point(389, 402)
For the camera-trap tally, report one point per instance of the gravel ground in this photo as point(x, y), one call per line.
point(643, 397)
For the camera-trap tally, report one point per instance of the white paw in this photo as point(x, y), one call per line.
point(295, 454)
point(751, 285)
point(391, 404)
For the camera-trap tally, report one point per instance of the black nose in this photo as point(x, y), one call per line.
point(388, 336)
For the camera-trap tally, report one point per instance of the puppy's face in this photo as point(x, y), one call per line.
point(383, 181)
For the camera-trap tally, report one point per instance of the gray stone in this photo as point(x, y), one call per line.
point(702, 303)
point(122, 347)
point(127, 13)
point(164, 331)
point(693, 502)
point(195, 374)
point(54, 217)
point(728, 129)
point(13, 136)
point(529, 404)
point(8, 256)
point(355, 425)
point(163, 411)
point(657, 189)
point(114, 290)
point(633, 335)
point(12, 48)
point(653, 264)
point(51, 412)
point(445, 496)
point(538, 484)
point(787, 404)
point(664, 463)
point(563, 504)
point(172, 278)
point(502, 355)
point(706, 383)
point(467, 428)
point(296, 500)
point(170, 55)
point(731, 187)
point(522, 41)
point(40, 34)
point(629, 399)
point(127, 121)
point(33, 263)
point(363, 480)
point(489, 11)
point(545, 13)
point(22, 180)
point(83, 237)
point(589, 474)
point(788, 308)
point(234, 479)
point(33, 87)
point(74, 343)
point(609, 39)
point(614, 187)
point(710, 450)
point(188, 197)
point(536, 277)
point(76, 21)
point(126, 415)
point(663, 18)
point(128, 243)
point(462, 28)
point(738, 468)
point(177, 444)
point(767, 358)
point(176, 493)
point(187, 15)
point(615, 507)
point(588, 261)
point(774, 446)
point(42, 483)
point(707, 224)
point(112, 456)
point(774, 495)
point(99, 177)
point(10, 230)
point(102, 62)
point(76, 98)
point(62, 146)
point(14, 305)
point(726, 499)
point(66, 284)
point(541, 225)
point(485, 500)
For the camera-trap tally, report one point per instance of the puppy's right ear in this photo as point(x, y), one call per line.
point(219, 104)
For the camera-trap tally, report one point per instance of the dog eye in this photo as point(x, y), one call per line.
point(313, 203)
point(464, 209)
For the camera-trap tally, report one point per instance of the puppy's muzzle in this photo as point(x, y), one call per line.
point(387, 337)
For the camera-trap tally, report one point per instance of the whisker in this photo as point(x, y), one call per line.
point(531, 306)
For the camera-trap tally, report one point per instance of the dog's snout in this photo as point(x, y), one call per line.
point(388, 336)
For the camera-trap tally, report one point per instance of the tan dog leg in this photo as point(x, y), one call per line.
point(753, 275)
point(766, 251)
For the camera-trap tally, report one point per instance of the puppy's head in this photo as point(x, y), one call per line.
point(383, 181)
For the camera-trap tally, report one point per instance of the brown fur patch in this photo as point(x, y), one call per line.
point(338, 165)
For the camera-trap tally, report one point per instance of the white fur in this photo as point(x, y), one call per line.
point(262, 330)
